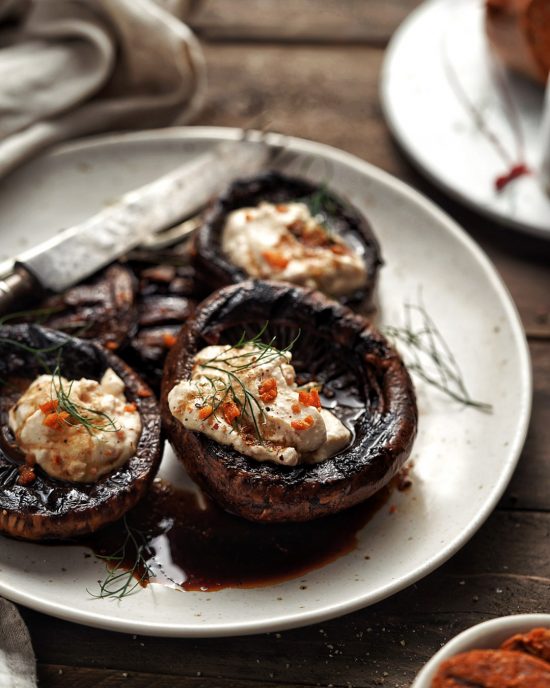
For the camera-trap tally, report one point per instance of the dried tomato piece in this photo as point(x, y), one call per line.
point(535, 643)
point(492, 669)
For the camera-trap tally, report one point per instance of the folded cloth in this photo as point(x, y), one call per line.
point(17, 662)
point(75, 67)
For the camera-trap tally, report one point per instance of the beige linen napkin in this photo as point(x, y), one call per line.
point(17, 662)
point(75, 67)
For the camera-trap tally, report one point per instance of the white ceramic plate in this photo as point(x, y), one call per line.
point(463, 458)
point(438, 55)
point(484, 636)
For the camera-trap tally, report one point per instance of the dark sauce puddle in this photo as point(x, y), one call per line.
point(192, 544)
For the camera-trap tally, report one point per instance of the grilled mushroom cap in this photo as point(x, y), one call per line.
point(274, 187)
point(48, 508)
point(359, 371)
point(102, 308)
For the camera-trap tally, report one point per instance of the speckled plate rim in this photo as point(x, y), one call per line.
point(284, 621)
point(485, 635)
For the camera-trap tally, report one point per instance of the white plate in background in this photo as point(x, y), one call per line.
point(436, 56)
point(463, 458)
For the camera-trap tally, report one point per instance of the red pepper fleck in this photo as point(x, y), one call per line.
point(55, 420)
point(205, 412)
point(339, 249)
point(516, 171)
point(49, 406)
point(310, 398)
point(112, 346)
point(302, 424)
point(169, 339)
point(268, 390)
point(230, 412)
point(275, 259)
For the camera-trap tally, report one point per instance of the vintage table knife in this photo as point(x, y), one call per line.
point(79, 251)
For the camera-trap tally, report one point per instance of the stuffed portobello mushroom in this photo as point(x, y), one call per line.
point(79, 435)
point(284, 405)
point(288, 229)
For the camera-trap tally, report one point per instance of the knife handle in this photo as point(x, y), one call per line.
point(17, 289)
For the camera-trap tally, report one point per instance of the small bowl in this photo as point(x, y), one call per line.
point(484, 636)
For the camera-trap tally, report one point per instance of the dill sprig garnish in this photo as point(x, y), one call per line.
point(233, 387)
point(39, 315)
point(91, 419)
point(321, 206)
point(127, 568)
point(430, 356)
point(37, 352)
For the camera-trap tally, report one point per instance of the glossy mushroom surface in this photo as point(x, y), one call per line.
point(102, 308)
point(48, 508)
point(364, 382)
point(274, 187)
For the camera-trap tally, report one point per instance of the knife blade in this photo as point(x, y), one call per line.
point(79, 251)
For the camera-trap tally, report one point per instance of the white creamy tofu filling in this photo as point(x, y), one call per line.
point(285, 242)
point(61, 445)
point(247, 398)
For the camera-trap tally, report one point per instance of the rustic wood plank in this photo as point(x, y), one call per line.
point(61, 676)
point(504, 569)
point(330, 94)
point(299, 20)
point(529, 486)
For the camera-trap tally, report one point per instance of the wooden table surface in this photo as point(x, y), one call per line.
point(311, 68)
